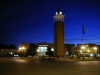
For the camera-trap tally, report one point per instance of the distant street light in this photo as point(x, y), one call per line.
point(37, 50)
point(52, 49)
point(22, 49)
point(88, 51)
point(95, 48)
point(83, 47)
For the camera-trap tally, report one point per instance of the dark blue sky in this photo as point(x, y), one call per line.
point(32, 20)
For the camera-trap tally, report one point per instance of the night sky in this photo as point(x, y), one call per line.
point(32, 21)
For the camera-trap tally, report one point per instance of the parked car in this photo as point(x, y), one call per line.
point(16, 55)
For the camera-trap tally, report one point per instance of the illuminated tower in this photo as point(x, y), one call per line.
point(58, 33)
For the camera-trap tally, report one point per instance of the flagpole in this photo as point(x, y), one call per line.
point(83, 32)
point(87, 39)
point(82, 38)
point(87, 35)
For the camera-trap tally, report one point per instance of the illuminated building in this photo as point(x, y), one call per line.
point(88, 50)
point(58, 33)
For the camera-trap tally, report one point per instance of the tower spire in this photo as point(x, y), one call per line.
point(58, 11)
point(58, 16)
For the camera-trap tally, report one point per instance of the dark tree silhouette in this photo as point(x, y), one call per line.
point(49, 52)
point(31, 50)
point(4, 46)
point(12, 46)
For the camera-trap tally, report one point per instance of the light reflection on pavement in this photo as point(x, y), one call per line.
point(20, 60)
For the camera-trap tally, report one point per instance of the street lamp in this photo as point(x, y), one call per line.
point(95, 48)
point(83, 47)
point(23, 48)
point(88, 51)
point(37, 50)
point(52, 49)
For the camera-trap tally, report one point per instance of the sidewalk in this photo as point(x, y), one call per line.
point(64, 59)
point(75, 59)
point(88, 59)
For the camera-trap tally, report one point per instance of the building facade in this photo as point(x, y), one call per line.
point(89, 50)
point(8, 52)
point(42, 48)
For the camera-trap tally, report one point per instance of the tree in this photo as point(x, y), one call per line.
point(31, 50)
point(12, 46)
point(3, 46)
point(49, 52)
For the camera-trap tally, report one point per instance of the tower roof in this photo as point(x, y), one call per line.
point(58, 11)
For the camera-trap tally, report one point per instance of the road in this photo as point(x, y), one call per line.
point(13, 66)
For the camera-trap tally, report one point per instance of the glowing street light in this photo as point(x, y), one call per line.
point(83, 47)
point(52, 49)
point(80, 51)
point(88, 51)
point(95, 48)
point(37, 50)
point(22, 50)
point(19, 48)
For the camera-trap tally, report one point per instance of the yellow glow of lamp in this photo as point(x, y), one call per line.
point(83, 47)
point(80, 51)
point(19, 48)
point(52, 49)
point(37, 50)
point(95, 48)
point(88, 50)
point(23, 48)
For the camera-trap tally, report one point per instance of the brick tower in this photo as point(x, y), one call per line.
point(58, 33)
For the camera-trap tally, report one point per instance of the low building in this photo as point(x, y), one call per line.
point(88, 50)
point(42, 48)
point(8, 52)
